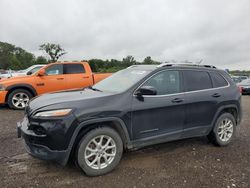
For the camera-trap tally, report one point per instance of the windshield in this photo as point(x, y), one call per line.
point(23, 71)
point(121, 81)
point(34, 70)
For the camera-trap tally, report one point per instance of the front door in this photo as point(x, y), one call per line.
point(162, 114)
point(53, 80)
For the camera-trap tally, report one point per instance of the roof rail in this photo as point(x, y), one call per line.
point(167, 64)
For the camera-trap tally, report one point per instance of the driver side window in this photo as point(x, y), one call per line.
point(54, 69)
point(166, 82)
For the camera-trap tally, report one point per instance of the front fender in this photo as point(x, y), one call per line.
point(92, 121)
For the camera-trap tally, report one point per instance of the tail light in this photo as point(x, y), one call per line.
point(240, 89)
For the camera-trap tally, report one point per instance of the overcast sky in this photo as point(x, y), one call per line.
point(217, 31)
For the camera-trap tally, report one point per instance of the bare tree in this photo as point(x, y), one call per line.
point(55, 51)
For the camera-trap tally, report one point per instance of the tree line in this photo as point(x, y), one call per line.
point(16, 58)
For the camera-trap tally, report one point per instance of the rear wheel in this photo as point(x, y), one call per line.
point(19, 98)
point(99, 151)
point(224, 130)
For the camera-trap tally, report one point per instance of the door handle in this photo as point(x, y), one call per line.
point(60, 78)
point(85, 77)
point(216, 95)
point(177, 100)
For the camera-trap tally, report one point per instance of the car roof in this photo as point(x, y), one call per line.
point(174, 66)
point(69, 62)
point(246, 82)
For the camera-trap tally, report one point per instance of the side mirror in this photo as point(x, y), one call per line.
point(29, 73)
point(41, 72)
point(145, 90)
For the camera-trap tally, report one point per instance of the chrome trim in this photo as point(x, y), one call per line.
point(148, 96)
point(150, 130)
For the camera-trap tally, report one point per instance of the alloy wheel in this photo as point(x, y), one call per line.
point(20, 100)
point(225, 130)
point(100, 152)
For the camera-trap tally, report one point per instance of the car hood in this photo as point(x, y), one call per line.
point(15, 79)
point(66, 99)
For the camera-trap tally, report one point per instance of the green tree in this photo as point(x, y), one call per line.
point(128, 61)
point(41, 60)
point(148, 60)
point(55, 51)
point(12, 57)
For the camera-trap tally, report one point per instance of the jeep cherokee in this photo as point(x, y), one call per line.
point(135, 107)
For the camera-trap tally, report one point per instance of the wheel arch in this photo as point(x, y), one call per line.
point(232, 109)
point(27, 87)
point(116, 123)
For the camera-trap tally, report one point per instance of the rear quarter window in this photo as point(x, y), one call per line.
point(218, 80)
point(196, 80)
point(74, 69)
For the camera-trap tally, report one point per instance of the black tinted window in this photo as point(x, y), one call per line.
point(54, 69)
point(197, 80)
point(218, 80)
point(167, 82)
point(73, 69)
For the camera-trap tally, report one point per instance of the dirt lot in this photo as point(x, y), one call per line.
point(186, 163)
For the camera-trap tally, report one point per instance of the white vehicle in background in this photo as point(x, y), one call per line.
point(29, 71)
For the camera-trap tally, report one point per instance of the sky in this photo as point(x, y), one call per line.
point(216, 31)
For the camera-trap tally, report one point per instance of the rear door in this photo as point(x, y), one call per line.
point(77, 76)
point(160, 115)
point(53, 80)
point(201, 102)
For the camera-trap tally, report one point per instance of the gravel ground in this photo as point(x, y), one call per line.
point(185, 163)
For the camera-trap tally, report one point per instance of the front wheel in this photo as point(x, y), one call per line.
point(19, 98)
point(99, 151)
point(224, 130)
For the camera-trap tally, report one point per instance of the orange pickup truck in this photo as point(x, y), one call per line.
point(17, 91)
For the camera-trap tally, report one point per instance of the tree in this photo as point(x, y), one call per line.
point(55, 51)
point(128, 61)
point(148, 60)
point(6, 51)
point(41, 60)
point(12, 57)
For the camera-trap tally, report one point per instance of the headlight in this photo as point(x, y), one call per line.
point(2, 87)
point(53, 113)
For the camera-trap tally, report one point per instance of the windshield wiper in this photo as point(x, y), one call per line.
point(94, 89)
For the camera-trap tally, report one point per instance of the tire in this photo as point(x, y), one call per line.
point(19, 98)
point(216, 135)
point(111, 140)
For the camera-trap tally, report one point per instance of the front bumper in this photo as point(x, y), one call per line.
point(37, 150)
point(3, 95)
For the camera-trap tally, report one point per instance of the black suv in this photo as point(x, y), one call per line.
point(136, 107)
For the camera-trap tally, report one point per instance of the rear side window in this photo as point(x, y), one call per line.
point(218, 80)
point(196, 80)
point(73, 69)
